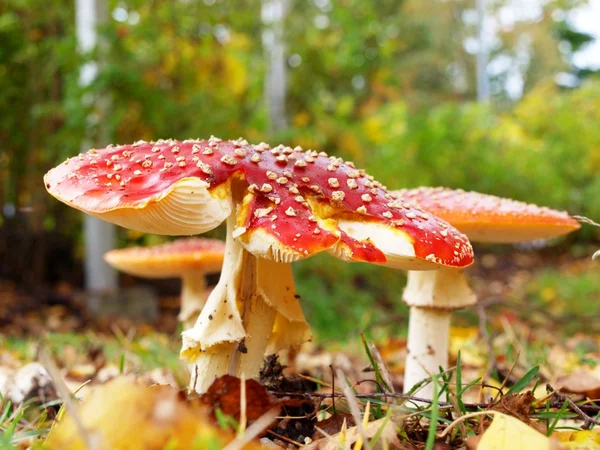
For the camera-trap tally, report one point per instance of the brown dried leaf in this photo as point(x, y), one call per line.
point(519, 406)
point(581, 382)
point(333, 425)
point(224, 394)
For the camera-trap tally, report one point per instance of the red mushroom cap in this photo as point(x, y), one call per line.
point(172, 259)
point(487, 218)
point(291, 203)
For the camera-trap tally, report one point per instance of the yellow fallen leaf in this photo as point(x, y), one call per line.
point(384, 428)
point(123, 414)
point(472, 349)
point(576, 440)
point(509, 433)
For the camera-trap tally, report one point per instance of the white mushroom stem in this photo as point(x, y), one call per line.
point(193, 297)
point(432, 296)
point(243, 317)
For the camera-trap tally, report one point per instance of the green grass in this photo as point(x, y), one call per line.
point(342, 299)
point(572, 295)
point(142, 353)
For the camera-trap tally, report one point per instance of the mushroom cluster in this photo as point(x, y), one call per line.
point(189, 259)
point(280, 205)
point(433, 295)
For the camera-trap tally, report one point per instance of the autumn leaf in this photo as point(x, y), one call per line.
point(509, 433)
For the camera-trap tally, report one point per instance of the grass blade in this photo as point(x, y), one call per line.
point(523, 382)
point(459, 388)
point(431, 434)
point(559, 415)
point(374, 364)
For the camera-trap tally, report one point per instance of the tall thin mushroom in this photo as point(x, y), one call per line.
point(433, 295)
point(280, 205)
point(189, 259)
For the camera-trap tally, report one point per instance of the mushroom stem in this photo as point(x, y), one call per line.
point(428, 340)
point(258, 318)
point(243, 317)
point(432, 296)
point(193, 297)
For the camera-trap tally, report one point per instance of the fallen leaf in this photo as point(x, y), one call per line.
point(333, 425)
point(581, 382)
point(519, 406)
point(123, 414)
point(472, 349)
point(509, 433)
point(386, 428)
point(224, 394)
point(576, 440)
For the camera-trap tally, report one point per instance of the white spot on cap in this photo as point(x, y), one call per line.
point(338, 196)
point(333, 182)
point(262, 212)
point(228, 159)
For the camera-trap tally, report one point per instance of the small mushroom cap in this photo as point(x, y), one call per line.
point(487, 218)
point(289, 203)
point(169, 260)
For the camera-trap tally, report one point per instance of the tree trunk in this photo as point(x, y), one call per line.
point(99, 236)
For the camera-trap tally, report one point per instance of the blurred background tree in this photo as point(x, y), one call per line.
point(389, 84)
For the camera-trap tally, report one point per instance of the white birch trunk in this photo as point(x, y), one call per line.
point(273, 15)
point(99, 236)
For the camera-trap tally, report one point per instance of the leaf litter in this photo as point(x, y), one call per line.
point(512, 382)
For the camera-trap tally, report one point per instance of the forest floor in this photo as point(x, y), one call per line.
point(525, 373)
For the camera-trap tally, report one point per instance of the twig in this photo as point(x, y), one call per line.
point(470, 406)
point(491, 363)
point(353, 404)
point(454, 401)
point(243, 405)
point(91, 441)
point(586, 220)
point(587, 420)
point(383, 370)
point(465, 417)
point(284, 438)
point(257, 427)
point(507, 376)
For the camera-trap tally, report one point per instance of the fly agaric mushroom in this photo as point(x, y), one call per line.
point(280, 204)
point(433, 295)
point(190, 259)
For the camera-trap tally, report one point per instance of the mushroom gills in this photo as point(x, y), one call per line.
point(176, 211)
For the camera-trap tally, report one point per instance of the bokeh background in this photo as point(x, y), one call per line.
point(390, 84)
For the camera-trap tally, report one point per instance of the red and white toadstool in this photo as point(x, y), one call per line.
point(280, 204)
point(189, 259)
point(433, 295)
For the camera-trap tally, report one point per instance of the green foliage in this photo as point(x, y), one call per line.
point(540, 152)
point(387, 84)
point(342, 299)
point(570, 295)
